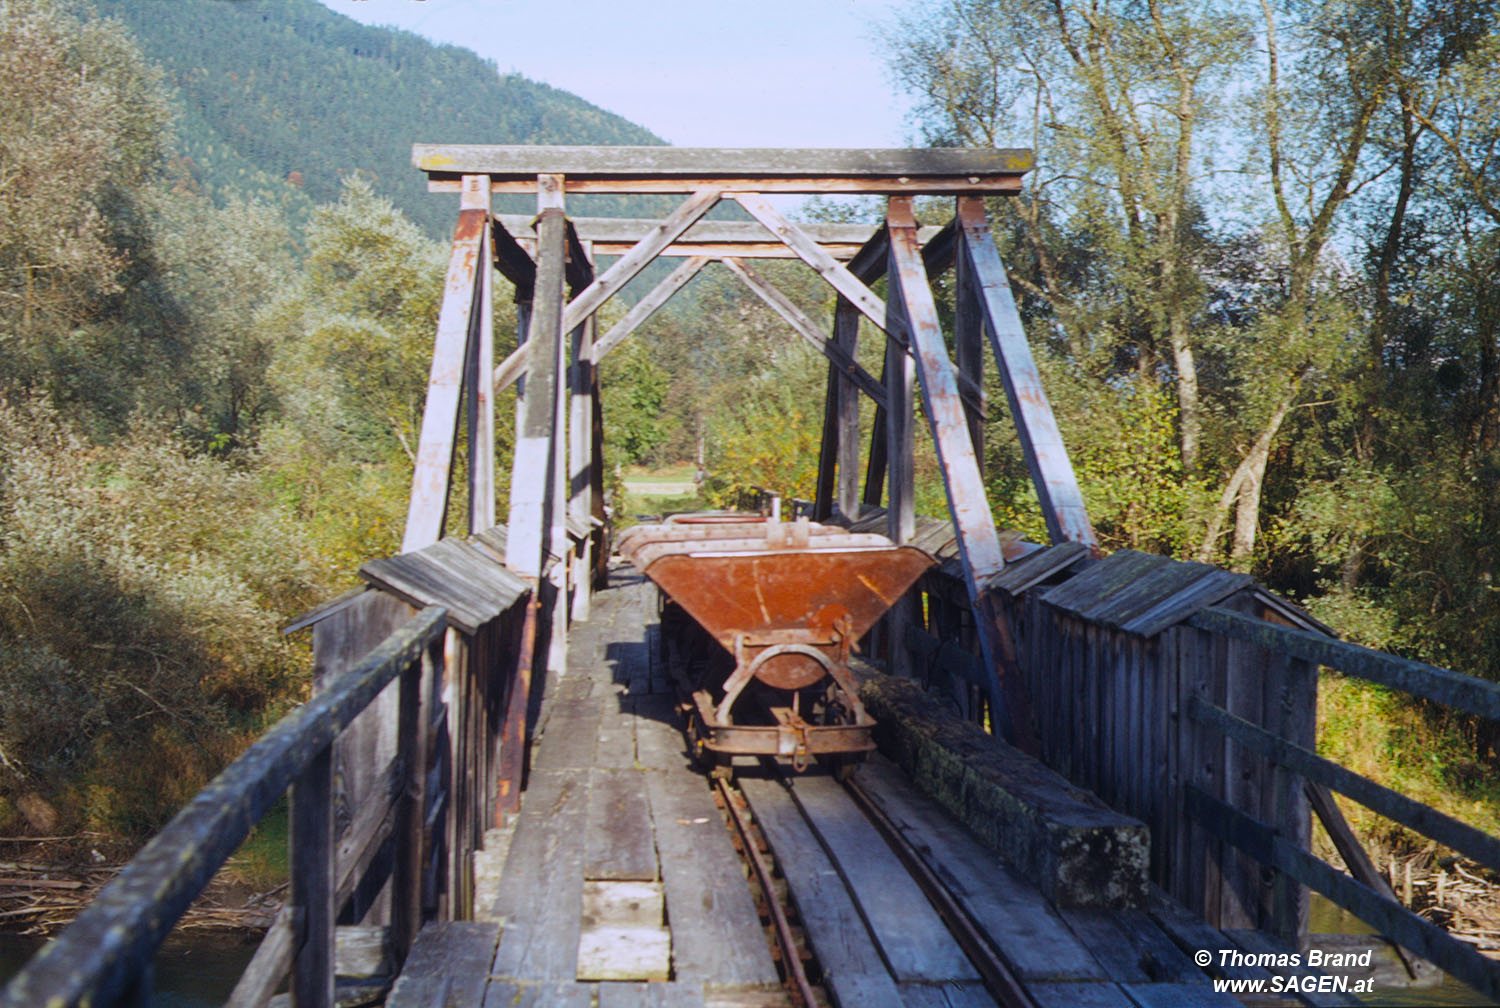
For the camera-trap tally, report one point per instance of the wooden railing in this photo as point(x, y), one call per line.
point(1362, 895)
point(1206, 732)
point(104, 957)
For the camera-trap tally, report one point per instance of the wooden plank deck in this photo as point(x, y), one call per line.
point(612, 799)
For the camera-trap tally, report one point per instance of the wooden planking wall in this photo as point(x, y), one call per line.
point(1110, 710)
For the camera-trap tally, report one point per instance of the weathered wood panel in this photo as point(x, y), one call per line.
point(463, 309)
point(850, 960)
point(542, 888)
point(621, 843)
point(708, 901)
point(911, 936)
point(526, 162)
point(1041, 442)
point(451, 955)
point(1029, 935)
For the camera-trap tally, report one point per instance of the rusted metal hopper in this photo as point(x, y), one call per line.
point(786, 603)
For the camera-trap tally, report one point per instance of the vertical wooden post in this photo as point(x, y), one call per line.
point(312, 883)
point(414, 719)
point(838, 465)
point(968, 349)
point(875, 464)
point(580, 455)
point(468, 266)
point(910, 306)
point(900, 378)
point(481, 398)
point(828, 448)
point(532, 499)
point(549, 194)
point(846, 337)
point(1041, 442)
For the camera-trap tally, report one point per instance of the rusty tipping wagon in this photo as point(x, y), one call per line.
point(759, 618)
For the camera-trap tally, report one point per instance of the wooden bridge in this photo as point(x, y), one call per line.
point(1098, 773)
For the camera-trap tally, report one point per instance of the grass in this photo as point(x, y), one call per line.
point(261, 862)
point(1411, 748)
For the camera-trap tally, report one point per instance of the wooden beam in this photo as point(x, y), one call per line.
point(1041, 441)
point(683, 169)
point(846, 338)
point(838, 276)
point(968, 344)
point(648, 248)
point(989, 185)
point(478, 364)
point(580, 264)
point(427, 508)
point(535, 456)
point(620, 233)
point(647, 306)
point(526, 162)
point(624, 270)
point(911, 297)
point(809, 252)
point(512, 260)
point(806, 328)
point(580, 452)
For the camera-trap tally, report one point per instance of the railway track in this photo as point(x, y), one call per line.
point(855, 912)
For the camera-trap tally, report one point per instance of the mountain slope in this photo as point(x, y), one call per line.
point(283, 98)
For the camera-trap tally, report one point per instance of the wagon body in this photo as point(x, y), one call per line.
point(785, 602)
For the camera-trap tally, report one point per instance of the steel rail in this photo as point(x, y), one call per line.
point(789, 953)
point(1001, 983)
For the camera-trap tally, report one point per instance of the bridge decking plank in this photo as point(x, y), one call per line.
point(1069, 994)
point(621, 845)
point(651, 995)
point(457, 953)
point(614, 746)
point(659, 743)
point(1166, 995)
point(1131, 947)
point(510, 994)
point(541, 892)
point(708, 902)
point(1029, 934)
point(851, 962)
point(953, 994)
point(912, 937)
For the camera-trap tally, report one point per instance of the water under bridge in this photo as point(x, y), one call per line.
point(1097, 775)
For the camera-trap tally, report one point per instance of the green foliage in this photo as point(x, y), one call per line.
point(767, 434)
point(140, 591)
point(634, 388)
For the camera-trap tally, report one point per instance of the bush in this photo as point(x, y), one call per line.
point(141, 588)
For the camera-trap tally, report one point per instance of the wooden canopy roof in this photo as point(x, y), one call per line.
point(952, 170)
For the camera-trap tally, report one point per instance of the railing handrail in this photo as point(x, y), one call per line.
point(1430, 682)
point(98, 957)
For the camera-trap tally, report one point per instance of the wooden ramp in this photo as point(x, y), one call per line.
point(622, 887)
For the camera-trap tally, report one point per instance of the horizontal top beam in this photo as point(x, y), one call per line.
point(660, 169)
point(706, 236)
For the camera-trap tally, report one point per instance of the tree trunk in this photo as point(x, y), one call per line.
point(1242, 492)
point(1189, 418)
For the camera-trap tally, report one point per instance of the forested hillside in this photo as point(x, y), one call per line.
point(281, 99)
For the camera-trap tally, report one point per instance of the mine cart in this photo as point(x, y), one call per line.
point(759, 618)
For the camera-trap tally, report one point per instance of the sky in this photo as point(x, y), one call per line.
point(697, 73)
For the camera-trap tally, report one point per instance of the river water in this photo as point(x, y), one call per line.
point(194, 970)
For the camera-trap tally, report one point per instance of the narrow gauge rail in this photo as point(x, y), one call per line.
point(913, 945)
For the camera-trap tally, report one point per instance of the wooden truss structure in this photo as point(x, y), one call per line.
point(556, 483)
